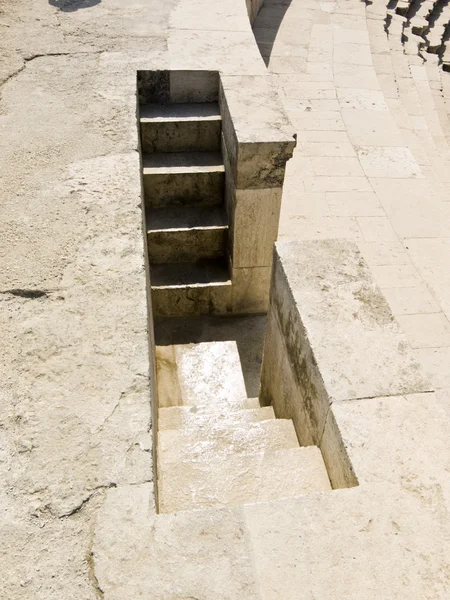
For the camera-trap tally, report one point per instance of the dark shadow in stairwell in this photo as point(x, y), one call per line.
point(247, 331)
point(267, 24)
point(73, 5)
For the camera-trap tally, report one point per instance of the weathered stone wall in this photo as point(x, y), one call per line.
point(331, 339)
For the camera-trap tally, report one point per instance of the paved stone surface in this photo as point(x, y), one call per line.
point(75, 416)
point(377, 113)
point(77, 503)
point(75, 401)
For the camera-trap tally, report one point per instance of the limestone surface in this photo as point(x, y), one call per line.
point(77, 388)
point(366, 89)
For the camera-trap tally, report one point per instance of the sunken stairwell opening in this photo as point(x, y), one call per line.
point(215, 444)
point(184, 179)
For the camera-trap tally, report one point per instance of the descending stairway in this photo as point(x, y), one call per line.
point(216, 447)
point(187, 227)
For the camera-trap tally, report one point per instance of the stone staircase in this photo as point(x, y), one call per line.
point(187, 228)
point(412, 79)
point(422, 25)
point(216, 447)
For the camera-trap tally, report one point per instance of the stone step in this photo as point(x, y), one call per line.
point(241, 479)
point(253, 403)
point(185, 127)
point(203, 288)
point(206, 375)
point(211, 441)
point(183, 178)
point(185, 234)
point(438, 24)
point(179, 417)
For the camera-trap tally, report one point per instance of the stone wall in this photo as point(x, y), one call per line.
point(331, 339)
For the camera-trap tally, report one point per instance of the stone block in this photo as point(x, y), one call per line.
point(219, 440)
point(256, 121)
point(181, 189)
point(386, 161)
point(250, 290)
point(376, 229)
point(317, 227)
point(179, 417)
point(184, 245)
point(166, 86)
point(258, 136)
point(397, 275)
point(262, 164)
point(192, 300)
point(387, 439)
point(141, 554)
point(381, 541)
point(338, 334)
point(411, 301)
point(254, 159)
point(381, 253)
point(183, 135)
point(233, 479)
point(426, 330)
point(371, 128)
point(278, 374)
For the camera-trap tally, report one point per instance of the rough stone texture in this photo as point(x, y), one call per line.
point(188, 245)
point(177, 417)
point(255, 161)
point(342, 541)
point(345, 316)
point(250, 293)
point(186, 361)
point(140, 554)
point(199, 443)
point(331, 339)
point(265, 476)
point(175, 132)
point(255, 226)
point(246, 331)
point(361, 81)
point(193, 300)
point(347, 542)
point(329, 312)
point(74, 410)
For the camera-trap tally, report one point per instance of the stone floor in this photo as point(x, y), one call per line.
point(372, 162)
point(77, 503)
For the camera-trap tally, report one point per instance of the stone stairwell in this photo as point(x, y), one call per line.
point(216, 447)
point(187, 228)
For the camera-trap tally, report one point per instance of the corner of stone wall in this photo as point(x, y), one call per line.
point(257, 142)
